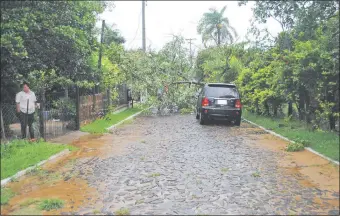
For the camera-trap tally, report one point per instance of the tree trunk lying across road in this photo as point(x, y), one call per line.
point(189, 82)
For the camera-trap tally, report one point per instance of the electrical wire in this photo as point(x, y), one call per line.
point(136, 30)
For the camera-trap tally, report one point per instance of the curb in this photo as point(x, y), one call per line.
point(23, 172)
point(284, 138)
point(128, 118)
point(120, 110)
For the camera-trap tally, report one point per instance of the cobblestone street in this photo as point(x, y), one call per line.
point(174, 165)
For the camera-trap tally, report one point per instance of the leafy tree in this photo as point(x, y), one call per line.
point(214, 27)
point(45, 36)
point(112, 36)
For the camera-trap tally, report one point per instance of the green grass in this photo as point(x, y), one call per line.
point(123, 211)
point(224, 170)
point(6, 195)
point(154, 175)
point(20, 154)
point(256, 174)
point(49, 204)
point(100, 125)
point(324, 142)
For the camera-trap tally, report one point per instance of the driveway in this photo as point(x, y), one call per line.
point(173, 165)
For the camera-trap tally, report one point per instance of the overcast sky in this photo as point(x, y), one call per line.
point(164, 18)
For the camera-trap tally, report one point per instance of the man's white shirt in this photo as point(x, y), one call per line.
point(22, 98)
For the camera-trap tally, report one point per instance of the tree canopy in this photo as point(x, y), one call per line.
point(300, 68)
point(213, 26)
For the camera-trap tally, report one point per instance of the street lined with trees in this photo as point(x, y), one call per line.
point(298, 70)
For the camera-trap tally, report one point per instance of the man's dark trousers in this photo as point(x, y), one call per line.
point(26, 119)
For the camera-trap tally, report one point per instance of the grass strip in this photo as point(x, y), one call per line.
point(21, 154)
point(100, 125)
point(324, 142)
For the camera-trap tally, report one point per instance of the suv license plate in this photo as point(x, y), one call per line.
point(221, 102)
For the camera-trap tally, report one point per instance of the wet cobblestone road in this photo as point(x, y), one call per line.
point(173, 165)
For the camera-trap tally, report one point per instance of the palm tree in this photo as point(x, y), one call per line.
point(213, 26)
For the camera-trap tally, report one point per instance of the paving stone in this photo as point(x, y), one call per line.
point(187, 160)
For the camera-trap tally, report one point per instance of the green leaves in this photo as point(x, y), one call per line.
point(55, 38)
point(215, 28)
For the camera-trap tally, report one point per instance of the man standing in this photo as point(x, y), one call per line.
point(26, 102)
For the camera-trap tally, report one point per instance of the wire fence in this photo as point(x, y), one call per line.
point(59, 112)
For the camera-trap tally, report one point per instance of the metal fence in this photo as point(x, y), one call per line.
point(59, 112)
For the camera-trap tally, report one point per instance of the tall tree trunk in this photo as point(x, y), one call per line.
point(290, 108)
point(275, 111)
point(307, 112)
point(275, 108)
point(301, 104)
point(266, 107)
point(257, 109)
point(331, 118)
point(218, 36)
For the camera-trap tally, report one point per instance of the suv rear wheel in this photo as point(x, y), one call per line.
point(238, 121)
point(202, 121)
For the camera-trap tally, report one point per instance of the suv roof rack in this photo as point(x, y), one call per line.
point(221, 84)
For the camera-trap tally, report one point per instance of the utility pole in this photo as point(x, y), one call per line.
point(143, 24)
point(101, 46)
point(143, 34)
point(190, 39)
point(96, 87)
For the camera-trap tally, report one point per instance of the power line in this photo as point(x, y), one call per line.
point(190, 39)
point(137, 29)
point(143, 23)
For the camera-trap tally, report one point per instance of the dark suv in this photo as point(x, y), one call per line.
point(219, 101)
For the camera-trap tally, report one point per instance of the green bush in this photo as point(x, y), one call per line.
point(49, 204)
point(305, 143)
point(66, 108)
point(294, 147)
point(186, 110)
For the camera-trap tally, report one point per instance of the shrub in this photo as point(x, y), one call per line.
point(49, 204)
point(66, 108)
point(294, 147)
point(186, 110)
point(305, 143)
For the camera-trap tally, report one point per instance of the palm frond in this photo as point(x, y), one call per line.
point(222, 10)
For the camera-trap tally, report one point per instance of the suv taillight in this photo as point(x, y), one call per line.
point(238, 103)
point(205, 102)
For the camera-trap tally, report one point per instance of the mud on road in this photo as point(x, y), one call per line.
point(173, 165)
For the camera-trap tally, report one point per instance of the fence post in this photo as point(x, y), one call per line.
point(94, 99)
point(77, 109)
point(2, 125)
point(108, 100)
point(41, 116)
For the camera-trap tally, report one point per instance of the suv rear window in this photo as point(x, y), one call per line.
point(221, 91)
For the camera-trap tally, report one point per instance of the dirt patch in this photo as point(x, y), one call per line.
point(74, 192)
point(319, 170)
point(312, 170)
point(68, 186)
